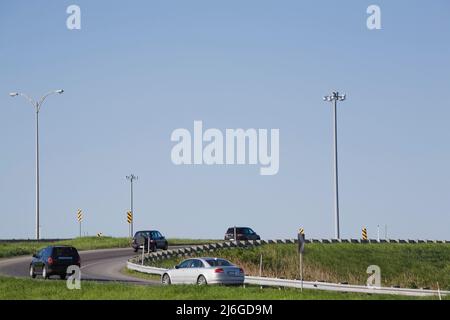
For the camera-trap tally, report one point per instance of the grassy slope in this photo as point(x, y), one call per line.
point(84, 243)
point(407, 265)
point(13, 288)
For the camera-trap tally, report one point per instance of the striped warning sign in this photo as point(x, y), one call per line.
point(364, 233)
point(301, 231)
point(100, 234)
point(79, 215)
point(129, 217)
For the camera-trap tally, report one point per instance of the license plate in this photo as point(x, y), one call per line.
point(231, 273)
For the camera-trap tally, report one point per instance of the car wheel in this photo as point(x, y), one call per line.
point(32, 274)
point(135, 249)
point(201, 281)
point(165, 280)
point(45, 273)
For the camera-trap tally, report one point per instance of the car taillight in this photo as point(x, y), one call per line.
point(50, 260)
point(218, 270)
point(241, 270)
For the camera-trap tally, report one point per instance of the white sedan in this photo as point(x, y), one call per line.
point(204, 271)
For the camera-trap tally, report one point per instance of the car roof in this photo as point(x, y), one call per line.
point(207, 258)
point(61, 246)
point(239, 227)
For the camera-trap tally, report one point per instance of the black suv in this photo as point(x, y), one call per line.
point(152, 237)
point(54, 260)
point(242, 233)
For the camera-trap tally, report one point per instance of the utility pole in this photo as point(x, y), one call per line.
point(37, 105)
point(334, 98)
point(131, 178)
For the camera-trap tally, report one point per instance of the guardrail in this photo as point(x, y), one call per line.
point(186, 251)
point(314, 285)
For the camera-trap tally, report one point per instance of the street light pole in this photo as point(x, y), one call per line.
point(131, 178)
point(335, 97)
point(37, 105)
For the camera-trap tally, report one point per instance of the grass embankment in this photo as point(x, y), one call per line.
point(406, 265)
point(13, 288)
point(10, 249)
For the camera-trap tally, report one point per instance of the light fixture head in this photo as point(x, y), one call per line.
point(13, 94)
point(59, 91)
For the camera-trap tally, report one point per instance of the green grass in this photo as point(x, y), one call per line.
point(11, 249)
point(14, 288)
point(406, 265)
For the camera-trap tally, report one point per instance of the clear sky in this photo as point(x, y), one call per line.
point(138, 70)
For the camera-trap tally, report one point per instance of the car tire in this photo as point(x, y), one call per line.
point(45, 273)
point(165, 279)
point(201, 280)
point(32, 274)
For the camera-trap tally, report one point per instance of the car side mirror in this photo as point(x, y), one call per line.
point(34, 255)
point(176, 267)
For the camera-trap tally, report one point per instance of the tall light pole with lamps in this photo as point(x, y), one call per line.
point(334, 98)
point(131, 178)
point(37, 105)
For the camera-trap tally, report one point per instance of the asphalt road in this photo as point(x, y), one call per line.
point(98, 265)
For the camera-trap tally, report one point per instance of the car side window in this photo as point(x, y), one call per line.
point(185, 264)
point(197, 264)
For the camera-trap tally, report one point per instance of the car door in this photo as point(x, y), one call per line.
point(178, 275)
point(160, 240)
point(194, 271)
point(40, 261)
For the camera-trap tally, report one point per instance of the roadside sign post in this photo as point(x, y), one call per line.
point(143, 252)
point(131, 178)
point(80, 218)
point(130, 221)
point(301, 249)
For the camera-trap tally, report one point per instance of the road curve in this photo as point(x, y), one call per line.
point(98, 265)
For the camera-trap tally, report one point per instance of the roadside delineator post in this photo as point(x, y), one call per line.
point(80, 218)
point(130, 221)
point(301, 249)
point(364, 234)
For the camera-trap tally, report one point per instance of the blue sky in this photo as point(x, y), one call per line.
point(135, 72)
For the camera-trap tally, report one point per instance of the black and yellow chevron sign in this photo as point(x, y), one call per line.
point(79, 215)
point(364, 233)
point(301, 231)
point(129, 217)
point(99, 234)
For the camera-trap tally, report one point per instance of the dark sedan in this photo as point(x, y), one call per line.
point(54, 260)
point(152, 238)
point(241, 233)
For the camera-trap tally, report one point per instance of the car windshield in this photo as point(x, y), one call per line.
point(218, 262)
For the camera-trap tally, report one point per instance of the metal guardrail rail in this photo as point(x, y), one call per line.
point(137, 264)
point(314, 285)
